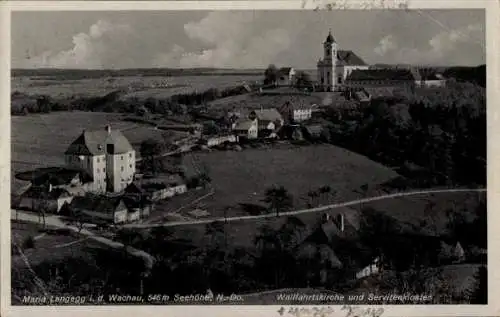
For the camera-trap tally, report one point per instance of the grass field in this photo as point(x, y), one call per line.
point(40, 140)
point(142, 87)
point(243, 177)
point(48, 247)
point(256, 100)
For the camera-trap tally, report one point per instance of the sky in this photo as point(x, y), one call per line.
point(243, 39)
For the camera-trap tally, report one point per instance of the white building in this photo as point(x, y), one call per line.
point(286, 76)
point(336, 65)
point(106, 155)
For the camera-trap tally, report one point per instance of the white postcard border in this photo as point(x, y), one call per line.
point(493, 131)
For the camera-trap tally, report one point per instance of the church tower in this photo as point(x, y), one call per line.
point(327, 66)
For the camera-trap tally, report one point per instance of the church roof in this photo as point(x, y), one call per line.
point(381, 74)
point(95, 143)
point(349, 58)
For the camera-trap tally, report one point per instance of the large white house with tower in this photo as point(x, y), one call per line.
point(106, 155)
point(336, 65)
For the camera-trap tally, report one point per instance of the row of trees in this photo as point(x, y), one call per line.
point(275, 259)
point(272, 75)
point(115, 102)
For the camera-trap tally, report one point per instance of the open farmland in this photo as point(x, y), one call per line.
point(137, 86)
point(40, 140)
point(257, 100)
point(242, 177)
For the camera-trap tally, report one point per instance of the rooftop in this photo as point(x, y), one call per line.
point(348, 58)
point(96, 143)
point(243, 125)
point(381, 74)
point(98, 203)
point(55, 176)
point(39, 192)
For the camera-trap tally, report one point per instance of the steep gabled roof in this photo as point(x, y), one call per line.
point(98, 203)
point(95, 143)
point(268, 114)
point(349, 58)
point(243, 125)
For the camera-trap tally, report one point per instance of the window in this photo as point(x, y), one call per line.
point(97, 160)
point(97, 171)
point(130, 165)
point(130, 154)
point(103, 170)
point(121, 157)
point(122, 168)
point(339, 80)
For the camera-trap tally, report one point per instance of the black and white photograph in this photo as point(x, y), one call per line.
point(248, 157)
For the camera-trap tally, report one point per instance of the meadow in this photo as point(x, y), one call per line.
point(136, 86)
point(243, 177)
point(39, 140)
point(257, 100)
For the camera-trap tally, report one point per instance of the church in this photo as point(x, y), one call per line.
point(336, 65)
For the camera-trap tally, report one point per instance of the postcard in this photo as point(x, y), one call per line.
point(278, 158)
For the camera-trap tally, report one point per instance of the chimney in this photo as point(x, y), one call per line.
point(108, 128)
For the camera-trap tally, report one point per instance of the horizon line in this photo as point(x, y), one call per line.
point(216, 68)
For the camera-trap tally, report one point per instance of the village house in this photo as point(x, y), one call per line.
point(286, 76)
point(218, 140)
point(49, 199)
point(110, 209)
point(428, 78)
point(296, 111)
point(106, 155)
point(51, 187)
point(158, 188)
point(336, 65)
point(246, 128)
point(258, 123)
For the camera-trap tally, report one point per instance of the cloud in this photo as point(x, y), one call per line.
point(229, 40)
point(102, 46)
point(447, 47)
point(385, 45)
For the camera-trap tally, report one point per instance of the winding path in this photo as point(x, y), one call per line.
point(310, 210)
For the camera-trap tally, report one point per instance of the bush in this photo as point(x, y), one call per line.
point(29, 243)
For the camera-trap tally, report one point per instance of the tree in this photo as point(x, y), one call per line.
point(150, 151)
point(312, 194)
point(480, 293)
point(43, 104)
point(43, 207)
point(324, 190)
point(204, 178)
point(78, 217)
point(279, 199)
point(271, 75)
